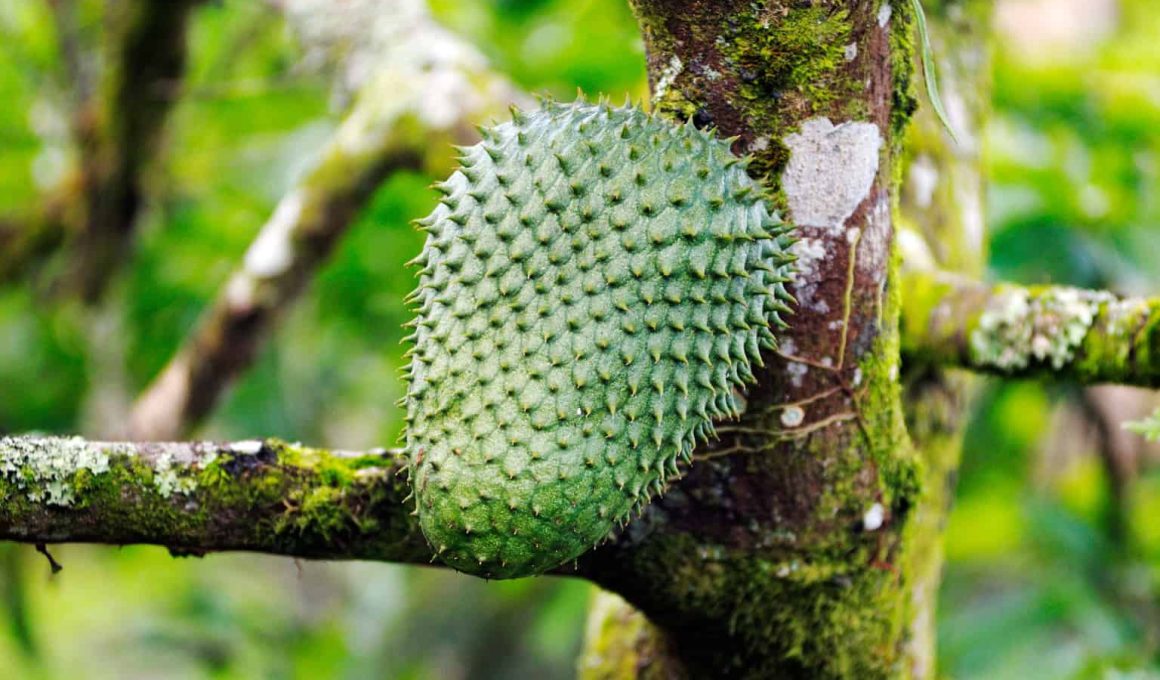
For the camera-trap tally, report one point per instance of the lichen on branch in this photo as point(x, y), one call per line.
point(258, 495)
point(1039, 331)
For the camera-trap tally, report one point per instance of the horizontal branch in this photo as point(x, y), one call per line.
point(1089, 337)
point(264, 496)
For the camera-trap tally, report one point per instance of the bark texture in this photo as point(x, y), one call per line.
point(783, 553)
point(942, 225)
point(1088, 337)
point(261, 495)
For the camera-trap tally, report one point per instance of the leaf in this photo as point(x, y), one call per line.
point(929, 72)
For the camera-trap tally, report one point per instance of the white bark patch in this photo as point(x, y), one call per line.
point(668, 75)
point(874, 245)
point(240, 291)
point(874, 518)
point(250, 447)
point(830, 171)
point(884, 13)
point(852, 51)
point(793, 416)
point(272, 252)
point(809, 252)
point(797, 372)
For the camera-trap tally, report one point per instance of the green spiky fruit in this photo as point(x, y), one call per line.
point(595, 286)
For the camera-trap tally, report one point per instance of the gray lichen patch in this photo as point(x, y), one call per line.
point(45, 468)
point(670, 74)
point(1019, 327)
point(166, 479)
point(811, 253)
point(831, 170)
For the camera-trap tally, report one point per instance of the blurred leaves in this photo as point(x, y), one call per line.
point(556, 46)
point(1148, 428)
point(1074, 169)
point(1036, 585)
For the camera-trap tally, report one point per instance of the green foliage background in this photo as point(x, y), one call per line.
point(1037, 585)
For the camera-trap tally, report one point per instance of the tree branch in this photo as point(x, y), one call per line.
point(142, 86)
point(27, 240)
point(119, 131)
point(1088, 337)
point(290, 248)
point(426, 92)
point(266, 496)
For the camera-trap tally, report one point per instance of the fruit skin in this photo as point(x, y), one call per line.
point(595, 286)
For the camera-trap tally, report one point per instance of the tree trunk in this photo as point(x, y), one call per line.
point(806, 542)
point(941, 208)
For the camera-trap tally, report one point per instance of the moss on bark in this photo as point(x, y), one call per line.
point(781, 554)
point(1089, 337)
point(267, 496)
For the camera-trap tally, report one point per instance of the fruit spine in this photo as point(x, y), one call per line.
point(595, 286)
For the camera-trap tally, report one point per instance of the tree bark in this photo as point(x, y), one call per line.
point(814, 553)
point(785, 551)
point(1083, 336)
point(261, 495)
point(942, 218)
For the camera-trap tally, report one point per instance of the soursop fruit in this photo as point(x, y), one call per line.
point(595, 286)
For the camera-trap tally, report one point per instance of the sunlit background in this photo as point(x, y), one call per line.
point(1053, 562)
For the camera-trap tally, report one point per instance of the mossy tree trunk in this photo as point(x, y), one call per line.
point(806, 542)
point(942, 221)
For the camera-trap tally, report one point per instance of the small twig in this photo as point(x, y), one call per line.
point(799, 432)
point(721, 453)
point(52, 563)
point(803, 360)
point(772, 408)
